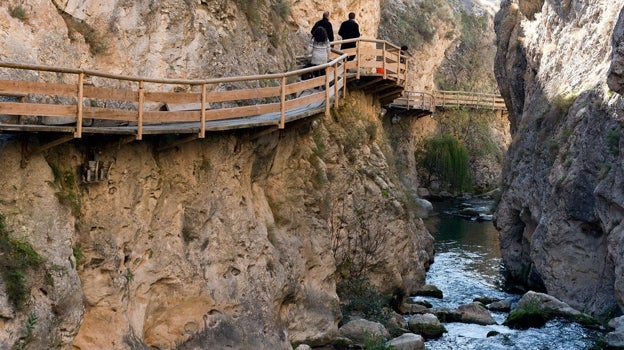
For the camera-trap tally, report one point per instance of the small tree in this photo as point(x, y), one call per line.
point(446, 158)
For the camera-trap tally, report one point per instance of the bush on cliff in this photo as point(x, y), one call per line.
point(359, 298)
point(446, 158)
point(16, 257)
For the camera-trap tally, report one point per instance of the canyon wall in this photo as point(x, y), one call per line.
point(560, 214)
point(233, 240)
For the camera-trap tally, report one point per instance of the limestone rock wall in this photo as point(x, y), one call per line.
point(226, 241)
point(561, 207)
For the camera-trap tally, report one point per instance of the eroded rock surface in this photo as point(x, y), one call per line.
point(560, 210)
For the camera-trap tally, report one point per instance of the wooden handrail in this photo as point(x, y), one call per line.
point(456, 99)
point(133, 100)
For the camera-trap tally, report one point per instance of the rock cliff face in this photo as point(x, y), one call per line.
point(233, 240)
point(561, 209)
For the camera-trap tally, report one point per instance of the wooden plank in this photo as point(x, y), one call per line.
point(173, 97)
point(110, 114)
point(305, 100)
point(37, 109)
point(91, 91)
point(239, 112)
point(305, 85)
point(242, 94)
point(211, 114)
point(171, 117)
point(35, 87)
point(197, 106)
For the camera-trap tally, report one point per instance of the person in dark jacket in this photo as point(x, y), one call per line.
point(349, 29)
point(325, 23)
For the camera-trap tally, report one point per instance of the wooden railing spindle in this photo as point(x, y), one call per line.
point(78, 132)
point(139, 135)
point(202, 121)
point(282, 122)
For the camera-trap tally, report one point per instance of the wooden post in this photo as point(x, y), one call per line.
point(405, 70)
point(336, 90)
point(282, 122)
point(358, 58)
point(139, 135)
point(385, 71)
point(399, 67)
point(327, 105)
point(78, 132)
point(344, 80)
point(202, 126)
point(407, 97)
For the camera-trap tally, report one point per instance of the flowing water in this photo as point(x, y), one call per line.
point(468, 265)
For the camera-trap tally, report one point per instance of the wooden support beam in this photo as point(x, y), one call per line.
point(26, 154)
point(51, 144)
point(396, 92)
point(261, 133)
point(369, 83)
point(178, 142)
point(380, 88)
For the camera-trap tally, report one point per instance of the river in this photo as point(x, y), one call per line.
point(468, 265)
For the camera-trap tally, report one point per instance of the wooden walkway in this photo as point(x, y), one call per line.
point(424, 103)
point(75, 102)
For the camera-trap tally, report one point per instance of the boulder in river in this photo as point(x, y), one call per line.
point(615, 338)
point(502, 305)
point(426, 325)
point(359, 331)
point(535, 309)
point(413, 309)
point(429, 290)
point(475, 313)
point(407, 341)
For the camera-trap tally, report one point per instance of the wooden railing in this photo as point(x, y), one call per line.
point(416, 100)
point(469, 99)
point(428, 101)
point(98, 102)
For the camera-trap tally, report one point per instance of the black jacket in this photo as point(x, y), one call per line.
point(325, 23)
point(349, 29)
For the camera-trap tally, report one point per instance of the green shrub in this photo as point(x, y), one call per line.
point(31, 321)
point(446, 158)
point(375, 342)
point(613, 141)
point(359, 297)
point(282, 9)
point(19, 12)
point(16, 258)
point(77, 252)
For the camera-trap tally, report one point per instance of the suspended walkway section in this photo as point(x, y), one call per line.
point(74, 102)
point(420, 103)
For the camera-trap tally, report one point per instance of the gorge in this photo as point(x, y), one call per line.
point(242, 239)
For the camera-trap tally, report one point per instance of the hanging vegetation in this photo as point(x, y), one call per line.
point(445, 158)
